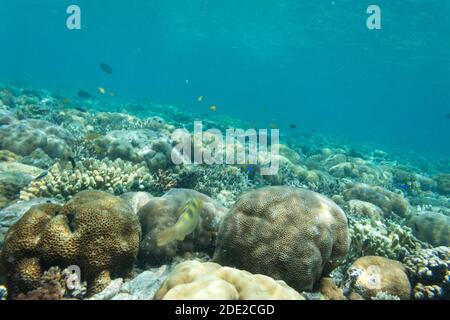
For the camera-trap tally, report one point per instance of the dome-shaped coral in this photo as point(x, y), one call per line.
point(206, 281)
point(163, 212)
point(373, 275)
point(284, 232)
point(95, 230)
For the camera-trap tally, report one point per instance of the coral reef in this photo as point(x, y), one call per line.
point(115, 177)
point(193, 280)
point(95, 230)
point(14, 177)
point(284, 232)
point(141, 287)
point(443, 183)
point(25, 136)
point(381, 238)
point(55, 285)
point(163, 212)
point(329, 290)
point(136, 146)
point(222, 182)
point(431, 227)
point(388, 201)
point(371, 275)
point(429, 271)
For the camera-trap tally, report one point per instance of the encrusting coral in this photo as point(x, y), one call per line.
point(287, 233)
point(95, 230)
point(194, 280)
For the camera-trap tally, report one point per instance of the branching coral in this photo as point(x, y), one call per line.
point(381, 238)
point(116, 177)
point(212, 180)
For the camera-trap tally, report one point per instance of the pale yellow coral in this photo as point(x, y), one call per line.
point(193, 280)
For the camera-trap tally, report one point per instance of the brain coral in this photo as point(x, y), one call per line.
point(387, 200)
point(286, 233)
point(163, 212)
point(95, 230)
point(194, 280)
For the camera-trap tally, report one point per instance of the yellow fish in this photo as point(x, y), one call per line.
point(112, 94)
point(101, 90)
point(186, 224)
point(213, 108)
point(200, 99)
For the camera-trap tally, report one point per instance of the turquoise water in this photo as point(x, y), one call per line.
point(309, 63)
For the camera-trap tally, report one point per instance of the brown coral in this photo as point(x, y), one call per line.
point(95, 230)
point(284, 232)
point(375, 275)
point(163, 212)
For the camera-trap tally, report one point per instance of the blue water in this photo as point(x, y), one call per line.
point(311, 63)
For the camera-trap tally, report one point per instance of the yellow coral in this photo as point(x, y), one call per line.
point(95, 230)
point(210, 281)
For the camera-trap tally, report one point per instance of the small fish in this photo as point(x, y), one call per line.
point(213, 108)
point(273, 125)
point(66, 101)
point(447, 116)
point(186, 224)
point(250, 169)
point(80, 108)
point(84, 94)
point(292, 126)
point(101, 90)
point(3, 293)
point(200, 99)
point(42, 175)
point(112, 94)
point(107, 69)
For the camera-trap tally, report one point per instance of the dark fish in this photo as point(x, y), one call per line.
point(80, 108)
point(72, 162)
point(250, 169)
point(107, 69)
point(84, 94)
point(354, 154)
point(42, 175)
point(447, 116)
point(292, 126)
